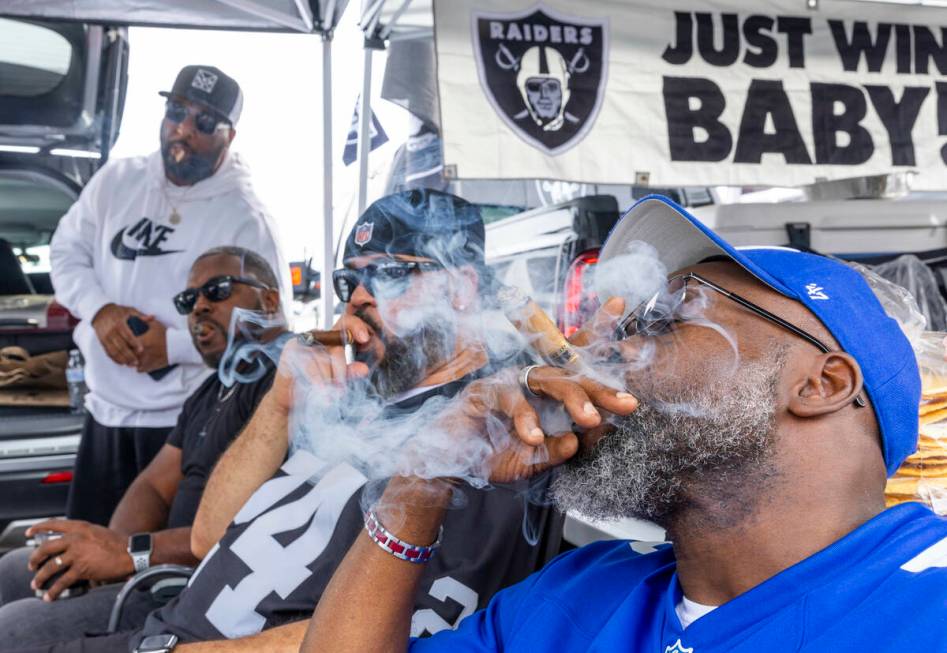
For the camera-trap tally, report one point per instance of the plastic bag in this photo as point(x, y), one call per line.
point(898, 302)
point(923, 476)
point(912, 274)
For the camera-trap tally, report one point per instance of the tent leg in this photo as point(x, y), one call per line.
point(364, 130)
point(326, 302)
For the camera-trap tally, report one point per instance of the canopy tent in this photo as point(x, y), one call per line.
point(382, 21)
point(302, 16)
point(258, 15)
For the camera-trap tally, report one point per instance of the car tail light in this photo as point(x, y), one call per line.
point(580, 301)
point(57, 477)
point(58, 318)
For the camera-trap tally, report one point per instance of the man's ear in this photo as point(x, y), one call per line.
point(464, 284)
point(270, 300)
point(232, 135)
point(832, 382)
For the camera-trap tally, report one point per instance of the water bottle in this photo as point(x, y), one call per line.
point(75, 380)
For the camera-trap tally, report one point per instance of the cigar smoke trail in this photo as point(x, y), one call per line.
point(244, 360)
point(429, 321)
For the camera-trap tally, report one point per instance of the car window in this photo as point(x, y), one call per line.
point(542, 278)
point(500, 269)
point(36, 260)
point(33, 59)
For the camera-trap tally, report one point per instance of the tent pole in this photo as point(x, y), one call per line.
point(364, 129)
point(326, 314)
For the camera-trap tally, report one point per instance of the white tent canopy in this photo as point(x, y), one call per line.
point(396, 19)
point(257, 15)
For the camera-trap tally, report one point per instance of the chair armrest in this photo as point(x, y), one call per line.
point(152, 574)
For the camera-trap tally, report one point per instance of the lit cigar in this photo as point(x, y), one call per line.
point(538, 329)
point(342, 338)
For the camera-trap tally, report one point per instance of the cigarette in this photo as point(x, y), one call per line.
point(342, 338)
point(538, 328)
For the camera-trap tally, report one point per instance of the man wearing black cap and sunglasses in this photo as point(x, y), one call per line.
point(151, 526)
point(123, 249)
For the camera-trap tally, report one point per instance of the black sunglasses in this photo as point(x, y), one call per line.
point(386, 280)
point(657, 315)
point(216, 290)
point(206, 122)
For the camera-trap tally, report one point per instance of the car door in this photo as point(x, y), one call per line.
point(62, 90)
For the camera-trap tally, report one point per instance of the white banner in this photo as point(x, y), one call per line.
point(703, 93)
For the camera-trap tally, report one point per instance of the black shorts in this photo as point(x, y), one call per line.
point(108, 461)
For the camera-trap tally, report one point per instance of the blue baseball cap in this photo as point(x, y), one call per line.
point(835, 293)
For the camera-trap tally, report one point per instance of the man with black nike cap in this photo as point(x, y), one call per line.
point(120, 253)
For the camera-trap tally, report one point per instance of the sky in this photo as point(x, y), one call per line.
point(280, 132)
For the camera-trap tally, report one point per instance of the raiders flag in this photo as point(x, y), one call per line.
point(691, 93)
point(543, 72)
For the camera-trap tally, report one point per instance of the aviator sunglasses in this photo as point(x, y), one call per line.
point(658, 315)
point(215, 290)
point(205, 121)
point(387, 280)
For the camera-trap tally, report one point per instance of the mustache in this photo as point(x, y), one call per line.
point(376, 326)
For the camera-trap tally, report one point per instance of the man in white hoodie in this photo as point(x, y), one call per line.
point(121, 253)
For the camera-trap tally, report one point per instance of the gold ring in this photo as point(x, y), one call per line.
point(58, 561)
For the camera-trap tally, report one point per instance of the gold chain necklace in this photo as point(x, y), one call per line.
point(175, 215)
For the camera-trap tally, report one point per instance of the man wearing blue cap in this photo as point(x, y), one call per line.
point(761, 444)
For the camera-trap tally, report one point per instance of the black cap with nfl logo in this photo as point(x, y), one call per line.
point(420, 222)
point(211, 87)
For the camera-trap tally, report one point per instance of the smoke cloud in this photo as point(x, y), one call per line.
point(426, 321)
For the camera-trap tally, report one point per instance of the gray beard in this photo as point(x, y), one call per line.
point(710, 449)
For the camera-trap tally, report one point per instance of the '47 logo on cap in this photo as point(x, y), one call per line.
point(363, 233)
point(816, 291)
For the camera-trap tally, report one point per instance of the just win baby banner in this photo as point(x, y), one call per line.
point(692, 93)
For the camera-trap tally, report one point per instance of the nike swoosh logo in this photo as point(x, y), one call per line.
point(122, 251)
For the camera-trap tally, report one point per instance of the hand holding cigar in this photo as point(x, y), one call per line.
point(340, 338)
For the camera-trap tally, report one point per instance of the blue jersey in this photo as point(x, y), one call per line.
point(882, 587)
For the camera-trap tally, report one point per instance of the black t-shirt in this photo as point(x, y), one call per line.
point(209, 421)
point(277, 557)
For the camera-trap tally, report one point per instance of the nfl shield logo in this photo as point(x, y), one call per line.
point(363, 233)
point(543, 72)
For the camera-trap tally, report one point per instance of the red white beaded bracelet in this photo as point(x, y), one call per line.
point(398, 547)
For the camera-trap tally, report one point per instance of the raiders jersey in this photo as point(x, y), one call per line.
point(278, 555)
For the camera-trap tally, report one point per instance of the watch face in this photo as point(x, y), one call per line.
point(157, 644)
point(140, 543)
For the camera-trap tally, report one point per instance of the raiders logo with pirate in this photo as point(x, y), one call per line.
point(543, 72)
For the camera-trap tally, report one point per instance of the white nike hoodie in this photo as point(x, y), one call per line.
point(117, 245)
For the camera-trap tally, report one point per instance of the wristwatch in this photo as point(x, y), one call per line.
point(139, 548)
point(157, 644)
